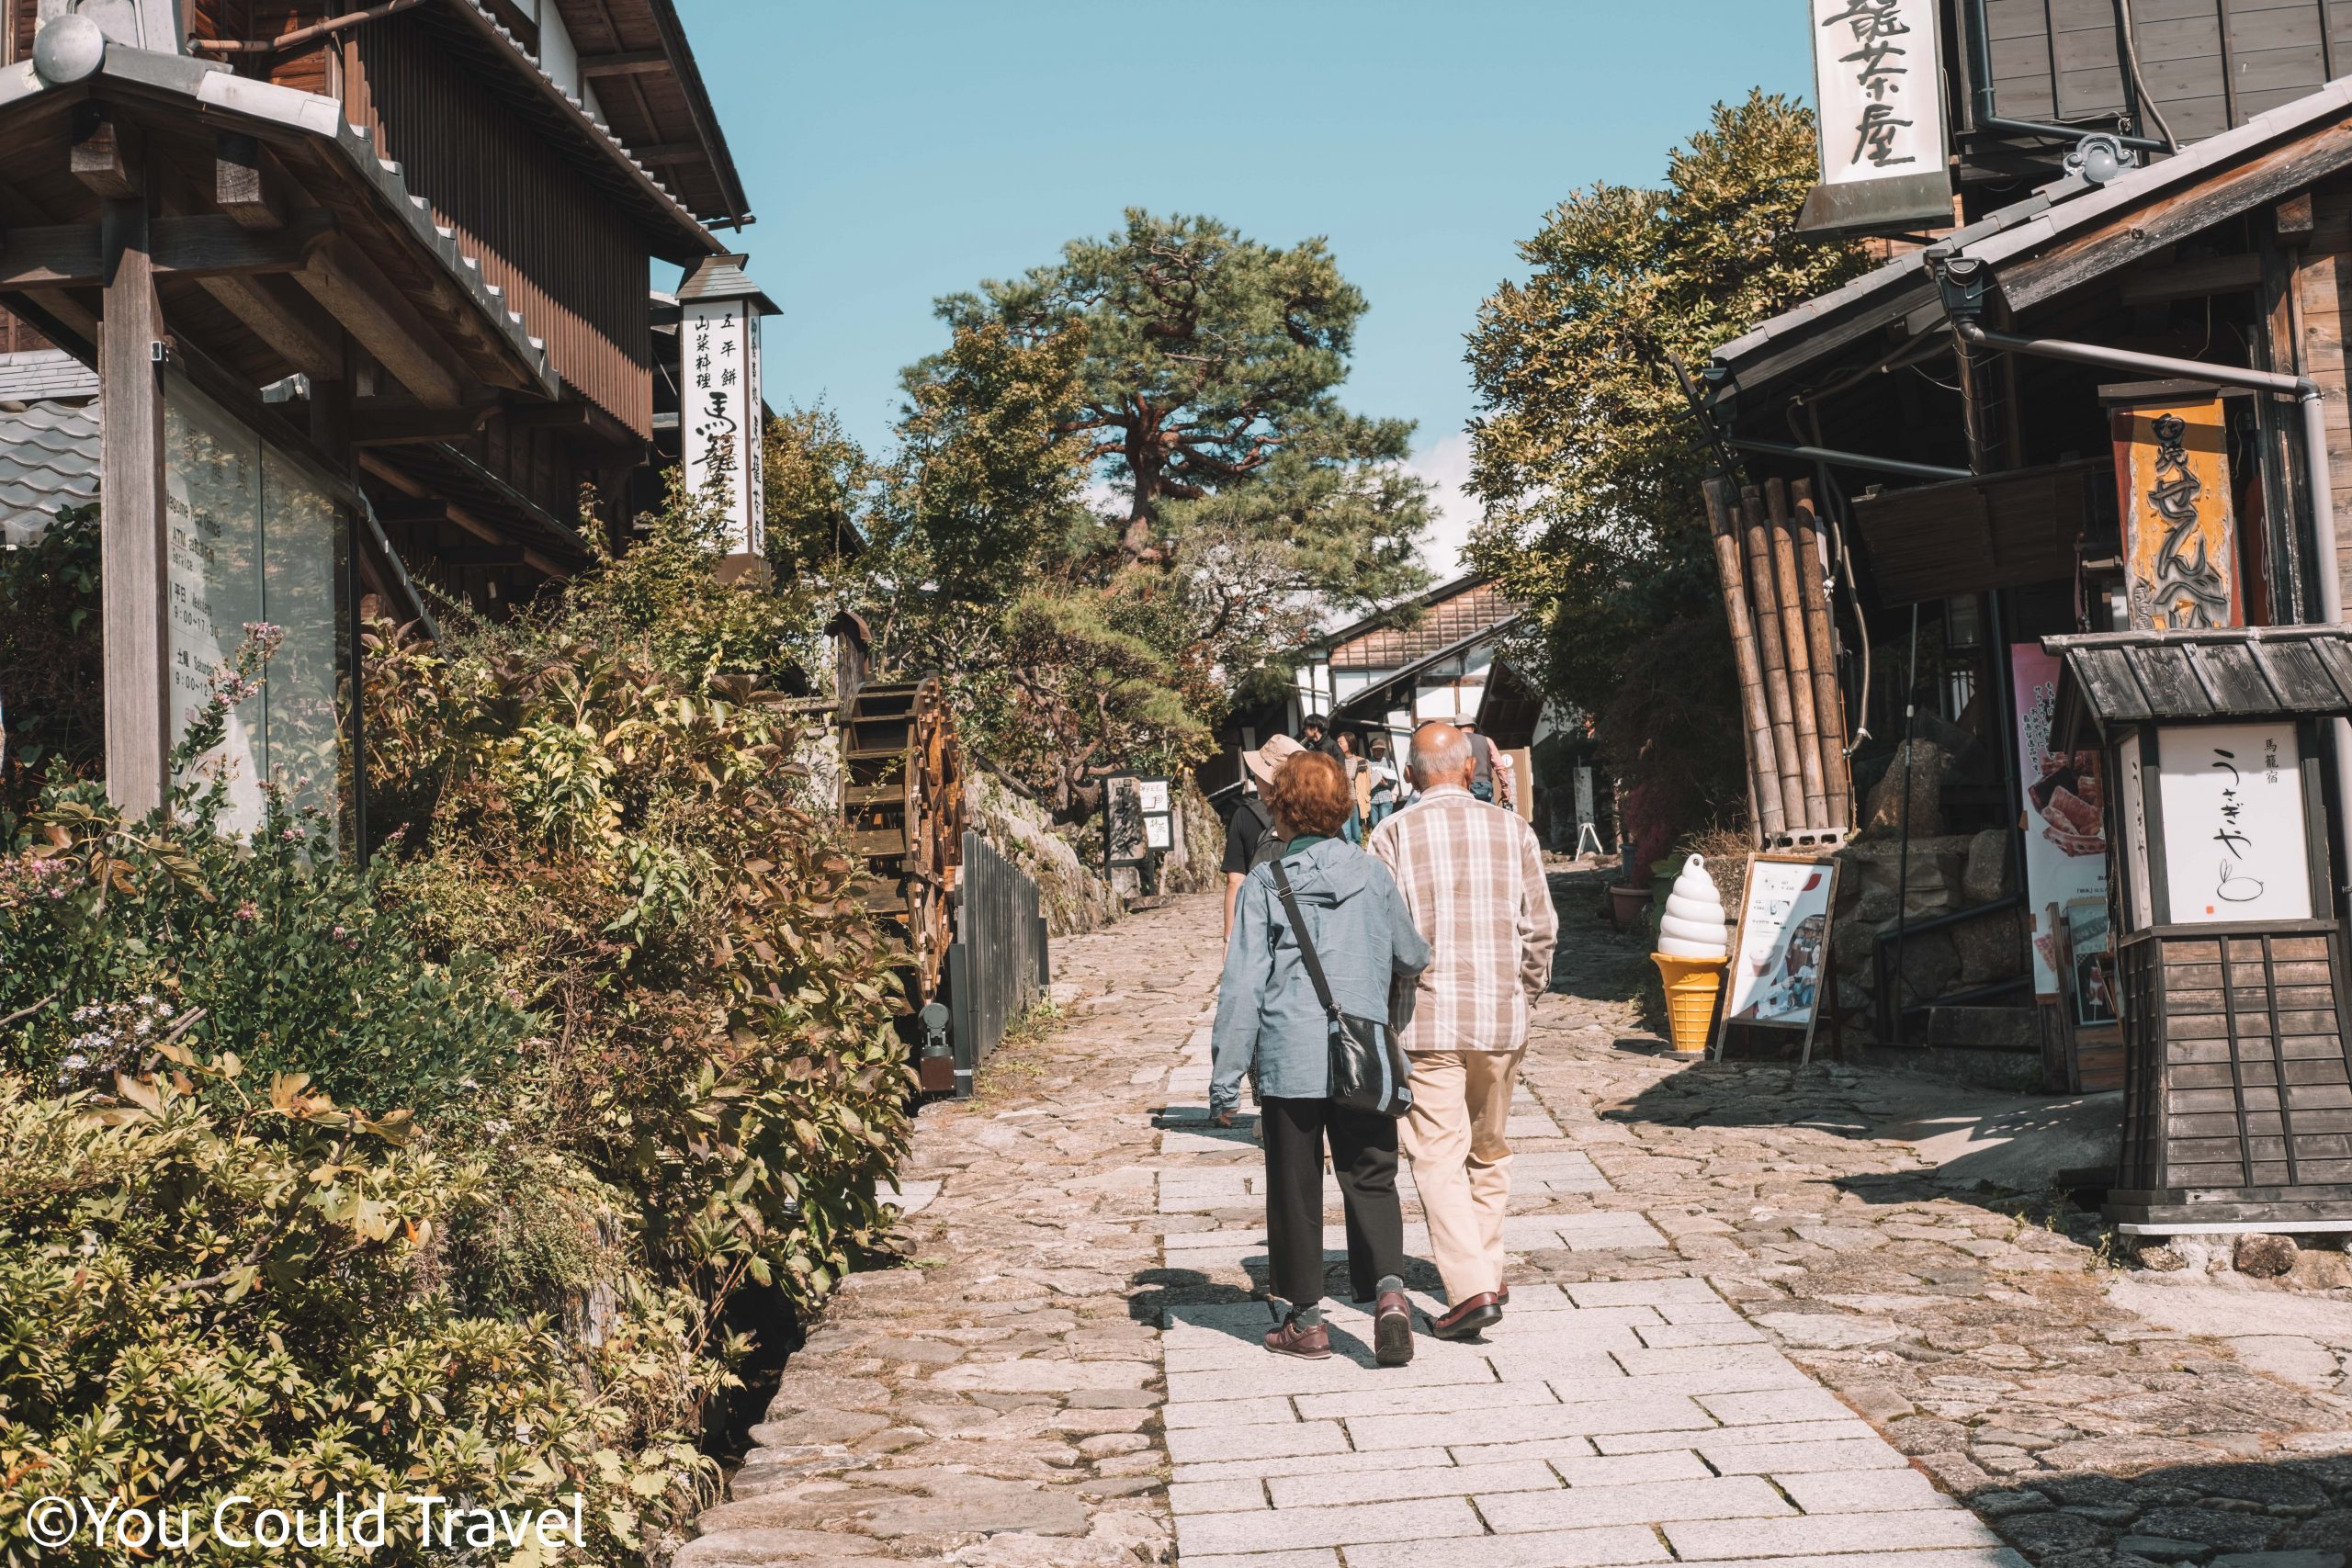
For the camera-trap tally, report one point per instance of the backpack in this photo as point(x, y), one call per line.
point(1270, 843)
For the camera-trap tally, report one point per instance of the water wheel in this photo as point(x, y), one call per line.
point(902, 797)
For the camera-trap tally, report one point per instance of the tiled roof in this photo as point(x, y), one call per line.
point(43, 373)
point(49, 459)
point(2236, 673)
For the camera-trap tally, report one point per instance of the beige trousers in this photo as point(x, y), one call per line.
point(1453, 1135)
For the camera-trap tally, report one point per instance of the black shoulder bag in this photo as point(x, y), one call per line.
point(1368, 1067)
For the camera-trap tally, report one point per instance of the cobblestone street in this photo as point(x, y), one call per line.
point(1744, 1328)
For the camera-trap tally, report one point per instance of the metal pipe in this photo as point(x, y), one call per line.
point(1986, 118)
point(1847, 459)
point(2317, 479)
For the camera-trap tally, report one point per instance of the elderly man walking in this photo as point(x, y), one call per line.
point(1473, 879)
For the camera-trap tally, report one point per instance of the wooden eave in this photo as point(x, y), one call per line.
point(614, 162)
point(643, 69)
point(377, 229)
point(2082, 241)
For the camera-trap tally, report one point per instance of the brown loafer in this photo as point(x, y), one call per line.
point(1392, 1329)
point(1306, 1344)
point(1502, 1295)
point(1465, 1319)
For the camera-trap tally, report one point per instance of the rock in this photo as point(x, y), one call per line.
point(1828, 1330)
point(1105, 1444)
point(2265, 1256)
point(2328, 1532)
point(1040, 1375)
point(1930, 963)
point(752, 1548)
point(818, 1426)
point(1878, 1400)
point(1988, 949)
point(2227, 1532)
point(2158, 1549)
point(982, 1509)
point(1992, 869)
point(2039, 1535)
point(1919, 767)
point(2304, 1558)
point(2320, 1270)
point(2159, 1257)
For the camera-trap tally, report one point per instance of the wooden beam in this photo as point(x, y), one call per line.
point(300, 333)
point(625, 62)
point(2186, 280)
point(133, 541)
point(2293, 217)
point(243, 186)
point(669, 153)
point(68, 256)
point(105, 153)
point(359, 296)
point(458, 515)
point(409, 424)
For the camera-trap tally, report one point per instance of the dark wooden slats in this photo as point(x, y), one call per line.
point(2240, 1084)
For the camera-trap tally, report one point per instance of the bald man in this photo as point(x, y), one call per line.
point(1471, 875)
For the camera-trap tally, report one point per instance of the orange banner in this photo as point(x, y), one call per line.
point(2180, 540)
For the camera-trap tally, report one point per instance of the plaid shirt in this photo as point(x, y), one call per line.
point(1473, 879)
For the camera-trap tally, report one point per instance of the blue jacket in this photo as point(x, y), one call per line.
point(1267, 1015)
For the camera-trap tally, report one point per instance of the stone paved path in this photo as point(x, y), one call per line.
point(1742, 1331)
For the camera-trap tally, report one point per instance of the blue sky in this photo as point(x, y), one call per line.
point(897, 150)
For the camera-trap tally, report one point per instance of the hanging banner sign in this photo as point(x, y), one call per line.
point(1878, 80)
point(2232, 800)
point(2180, 536)
point(2065, 813)
point(719, 414)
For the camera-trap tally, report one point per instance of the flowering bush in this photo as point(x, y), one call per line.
point(286, 956)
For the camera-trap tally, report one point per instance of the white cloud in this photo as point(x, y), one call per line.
point(1447, 468)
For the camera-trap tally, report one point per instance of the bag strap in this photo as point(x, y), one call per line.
point(1306, 944)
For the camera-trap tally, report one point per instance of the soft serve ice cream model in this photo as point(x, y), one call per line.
point(1692, 952)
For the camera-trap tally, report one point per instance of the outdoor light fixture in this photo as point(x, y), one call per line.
point(938, 1057)
point(2098, 158)
point(1963, 622)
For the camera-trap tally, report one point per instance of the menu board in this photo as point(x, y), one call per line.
point(253, 539)
point(1776, 968)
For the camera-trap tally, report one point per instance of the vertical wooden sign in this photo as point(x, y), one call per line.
point(2180, 539)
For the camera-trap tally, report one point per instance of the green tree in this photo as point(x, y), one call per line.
point(818, 481)
point(1584, 454)
point(1146, 436)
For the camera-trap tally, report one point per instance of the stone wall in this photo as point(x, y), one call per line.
point(1945, 871)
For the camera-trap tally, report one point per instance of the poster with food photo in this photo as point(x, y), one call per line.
point(2066, 812)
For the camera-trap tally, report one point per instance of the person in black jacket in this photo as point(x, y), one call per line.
point(1249, 839)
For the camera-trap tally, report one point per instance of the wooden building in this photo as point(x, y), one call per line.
point(393, 258)
point(2110, 397)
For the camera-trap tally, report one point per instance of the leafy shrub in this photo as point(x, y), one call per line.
point(632, 834)
point(283, 954)
point(245, 1291)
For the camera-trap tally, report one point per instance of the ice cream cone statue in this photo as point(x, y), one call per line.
point(1692, 955)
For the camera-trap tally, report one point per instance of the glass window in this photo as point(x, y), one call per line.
point(254, 538)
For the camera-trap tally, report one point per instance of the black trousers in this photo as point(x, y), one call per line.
point(1364, 1157)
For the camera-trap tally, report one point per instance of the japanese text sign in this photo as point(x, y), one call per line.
point(1880, 89)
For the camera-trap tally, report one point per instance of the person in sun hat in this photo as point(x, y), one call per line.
point(1249, 837)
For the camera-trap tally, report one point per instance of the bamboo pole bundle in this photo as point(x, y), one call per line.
point(1763, 777)
point(1793, 634)
point(1776, 657)
point(1829, 698)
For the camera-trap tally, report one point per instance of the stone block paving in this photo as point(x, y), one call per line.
point(1742, 1332)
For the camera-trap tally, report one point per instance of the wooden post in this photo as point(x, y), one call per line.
point(134, 541)
point(1829, 696)
point(1776, 657)
point(1764, 785)
point(1792, 637)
